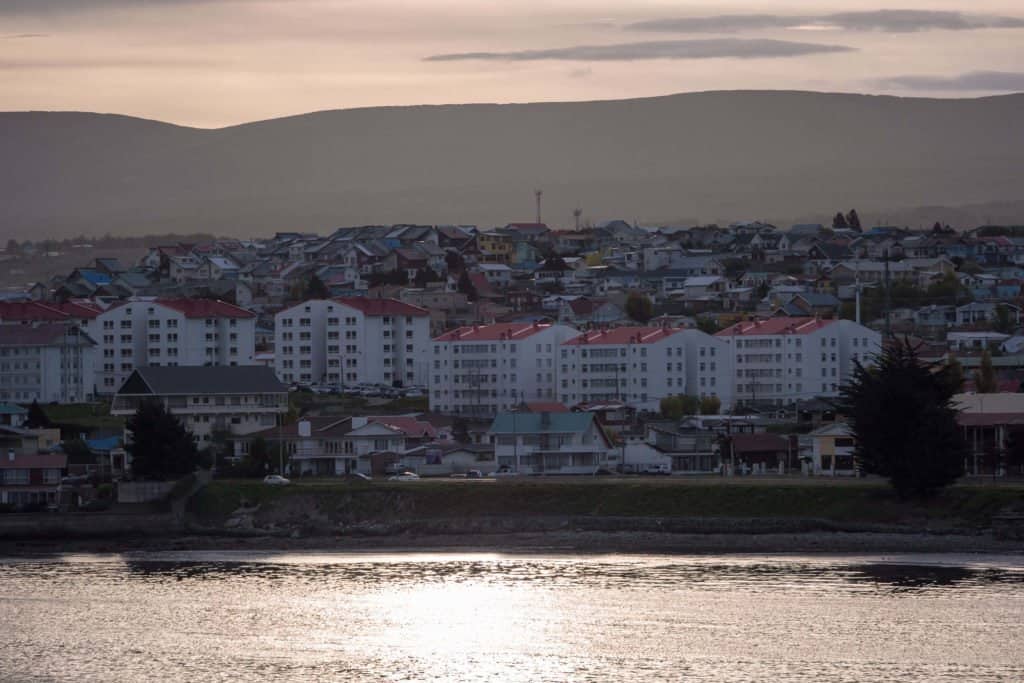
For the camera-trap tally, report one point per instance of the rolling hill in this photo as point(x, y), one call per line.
point(713, 156)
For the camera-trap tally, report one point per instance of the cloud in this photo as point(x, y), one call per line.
point(105, 63)
point(50, 7)
point(1001, 81)
point(24, 36)
point(887, 21)
point(665, 49)
point(585, 72)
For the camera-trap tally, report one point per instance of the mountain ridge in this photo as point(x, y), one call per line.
point(710, 156)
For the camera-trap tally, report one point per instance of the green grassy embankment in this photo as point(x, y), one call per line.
point(852, 503)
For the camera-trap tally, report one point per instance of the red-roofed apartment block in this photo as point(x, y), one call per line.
point(642, 365)
point(483, 369)
point(170, 332)
point(782, 360)
point(348, 341)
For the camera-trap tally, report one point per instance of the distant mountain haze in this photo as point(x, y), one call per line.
point(713, 156)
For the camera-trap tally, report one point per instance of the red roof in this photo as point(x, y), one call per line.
point(34, 461)
point(371, 306)
point(481, 283)
point(30, 311)
point(623, 335)
point(79, 309)
point(759, 443)
point(409, 426)
point(546, 407)
point(495, 332)
point(206, 308)
point(45, 334)
point(782, 325)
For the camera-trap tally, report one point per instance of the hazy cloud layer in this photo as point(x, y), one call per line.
point(888, 21)
point(49, 7)
point(664, 49)
point(1007, 81)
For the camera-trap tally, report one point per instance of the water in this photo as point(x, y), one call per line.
point(224, 616)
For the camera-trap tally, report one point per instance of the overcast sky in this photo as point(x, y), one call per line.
point(219, 62)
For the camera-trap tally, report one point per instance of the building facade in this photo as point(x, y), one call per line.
point(782, 360)
point(171, 332)
point(352, 340)
point(235, 400)
point(481, 370)
point(642, 365)
point(46, 362)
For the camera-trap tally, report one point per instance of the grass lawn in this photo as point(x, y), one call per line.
point(847, 502)
point(88, 416)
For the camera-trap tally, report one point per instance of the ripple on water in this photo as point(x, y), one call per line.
point(477, 617)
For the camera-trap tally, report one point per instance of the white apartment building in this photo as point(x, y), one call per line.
point(237, 400)
point(481, 370)
point(642, 365)
point(783, 360)
point(45, 362)
point(352, 340)
point(170, 332)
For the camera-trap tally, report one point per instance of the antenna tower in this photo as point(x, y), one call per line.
point(576, 213)
point(538, 194)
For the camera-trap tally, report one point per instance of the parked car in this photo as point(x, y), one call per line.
point(358, 476)
point(474, 474)
point(414, 393)
point(503, 471)
point(405, 476)
point(656, 469)
point(276, 480)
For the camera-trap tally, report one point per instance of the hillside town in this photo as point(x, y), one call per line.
point(447, 350)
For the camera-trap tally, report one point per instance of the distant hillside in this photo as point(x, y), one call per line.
point(704, 156)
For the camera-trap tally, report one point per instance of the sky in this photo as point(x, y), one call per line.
point(213, 63)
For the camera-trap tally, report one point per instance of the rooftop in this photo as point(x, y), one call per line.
point(780, 325)
point(189, 380)
point(206, 308)
point(46, 334)
point(623, 335)
point(495, 332)
point(371, 306)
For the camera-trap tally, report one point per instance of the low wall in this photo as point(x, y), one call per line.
point(87, 524)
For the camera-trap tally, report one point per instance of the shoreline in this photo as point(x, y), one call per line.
point(565, 542)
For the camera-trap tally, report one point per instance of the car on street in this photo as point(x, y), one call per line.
point(276, 480)
point(404, 476)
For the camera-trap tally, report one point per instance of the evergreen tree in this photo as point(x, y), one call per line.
point(454, 262)
point(161, 448)
point(839, 221)
point(315, 289)
point(985, 381)
point(901, 416)
point(853, 220)
point(956, 374)
point(466, 286)
point(639, 307)
point(36, 418)
point(1004, 320)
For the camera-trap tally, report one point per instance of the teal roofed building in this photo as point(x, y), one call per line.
point(549, 443)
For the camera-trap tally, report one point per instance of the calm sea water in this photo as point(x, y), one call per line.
point(481, 617)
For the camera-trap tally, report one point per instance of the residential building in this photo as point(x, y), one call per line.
point(171, 332)
point(29, 479)
point(829, 450)
point(353, 340)
point(642, 365)
point(549, 443)
point(236, 400)
point(46, 362)
point(785, 359)
point(483, 369)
